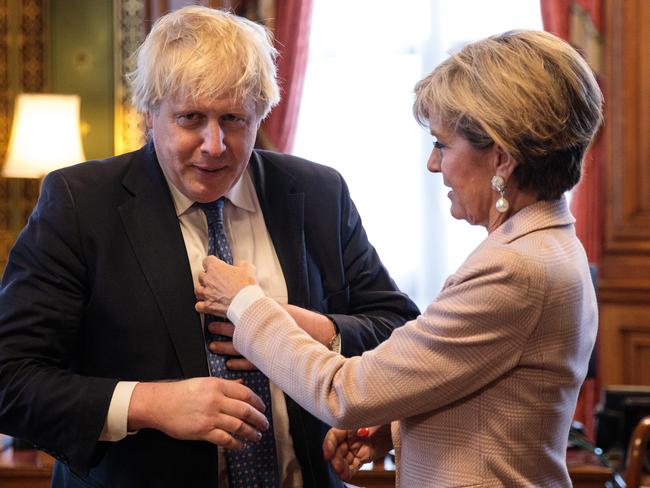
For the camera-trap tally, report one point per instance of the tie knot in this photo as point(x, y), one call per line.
point(213, 211)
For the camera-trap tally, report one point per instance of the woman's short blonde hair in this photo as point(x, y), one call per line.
point(205, 53)
point(527, 91)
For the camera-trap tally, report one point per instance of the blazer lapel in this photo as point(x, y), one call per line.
point(283, 209)
point(151, 224)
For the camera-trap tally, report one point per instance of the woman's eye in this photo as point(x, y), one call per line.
point(438, 145)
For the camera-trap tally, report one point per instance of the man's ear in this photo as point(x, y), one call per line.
point(504, 164)
point(148, 118)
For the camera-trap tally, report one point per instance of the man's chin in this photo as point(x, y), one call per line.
point(206, 193)
point(209, 188)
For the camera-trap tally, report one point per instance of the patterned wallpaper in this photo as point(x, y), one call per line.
point(23, 67)
point(129, 32)
point(26, 60)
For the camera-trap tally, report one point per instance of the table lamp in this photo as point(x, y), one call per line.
point(44, 136)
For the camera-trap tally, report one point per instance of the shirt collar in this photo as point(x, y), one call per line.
point(241, 195)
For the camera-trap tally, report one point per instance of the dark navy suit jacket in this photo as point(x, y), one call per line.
point(98, 289)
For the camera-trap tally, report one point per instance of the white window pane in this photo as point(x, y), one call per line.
point(356, 116)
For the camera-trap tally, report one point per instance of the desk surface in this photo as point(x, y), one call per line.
point(31, 469)
point(25, 469)
point(584, 470)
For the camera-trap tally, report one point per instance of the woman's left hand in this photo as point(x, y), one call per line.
point(219, 283)
point(348, 450)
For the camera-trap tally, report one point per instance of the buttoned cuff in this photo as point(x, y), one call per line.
point(118, 412)
point(244, 299)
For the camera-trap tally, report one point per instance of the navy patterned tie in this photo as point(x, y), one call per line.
point(256, 465)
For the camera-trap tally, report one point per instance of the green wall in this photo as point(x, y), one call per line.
point(82, 63)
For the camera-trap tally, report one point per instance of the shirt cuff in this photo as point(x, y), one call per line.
point(244, 299)
point(118, 412)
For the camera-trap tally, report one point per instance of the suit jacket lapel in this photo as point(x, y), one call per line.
point(284, 214)
point(283, 209)
point(152, 227)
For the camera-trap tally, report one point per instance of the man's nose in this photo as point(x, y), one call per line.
point(213, 140)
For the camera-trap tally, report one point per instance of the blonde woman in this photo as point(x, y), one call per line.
point(481, 388)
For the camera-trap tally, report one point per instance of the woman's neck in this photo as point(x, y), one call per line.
point(517, 200)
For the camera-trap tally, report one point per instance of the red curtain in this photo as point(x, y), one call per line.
point(580, 23)
point(292, 25)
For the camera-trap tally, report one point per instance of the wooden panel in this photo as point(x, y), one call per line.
point(625, 268)
point(637, 355)
point(624, 340)
point(643, 102)
point(628, 223)
point(624, 282)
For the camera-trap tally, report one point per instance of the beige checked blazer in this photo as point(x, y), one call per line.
point(483, 384)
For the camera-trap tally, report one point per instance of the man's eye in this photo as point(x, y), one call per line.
point(189, 120)
point(438, 145)
point(233, 119)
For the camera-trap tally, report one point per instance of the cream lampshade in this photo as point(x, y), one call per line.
point(45, 135)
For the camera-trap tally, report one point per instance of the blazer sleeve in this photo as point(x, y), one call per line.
point(375, 305)
point(472, 334)
point(42, 300)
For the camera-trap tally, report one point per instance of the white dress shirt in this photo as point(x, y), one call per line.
point(249, 241)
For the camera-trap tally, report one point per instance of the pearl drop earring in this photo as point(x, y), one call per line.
point(499, 184)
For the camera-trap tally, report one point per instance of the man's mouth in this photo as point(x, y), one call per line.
point(210, 170)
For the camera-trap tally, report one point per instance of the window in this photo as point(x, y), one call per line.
point(356, 116)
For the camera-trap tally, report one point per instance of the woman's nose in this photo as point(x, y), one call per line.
point(433, 164)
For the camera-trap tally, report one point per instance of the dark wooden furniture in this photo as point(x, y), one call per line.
point(25, 469)
point(31, 469)
point(636, 453)
point(583, 469)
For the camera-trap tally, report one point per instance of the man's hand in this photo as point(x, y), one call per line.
point(319, 326)
point(226, 348)
point(219, 283)
point(210, 409)
point(316, 325)
point(348, 450)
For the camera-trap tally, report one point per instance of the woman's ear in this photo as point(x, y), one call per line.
point(504, 164)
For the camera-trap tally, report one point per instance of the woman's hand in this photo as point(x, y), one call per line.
point(348, 450)
point(219, 283)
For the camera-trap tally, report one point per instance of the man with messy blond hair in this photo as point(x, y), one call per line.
point(104, 362)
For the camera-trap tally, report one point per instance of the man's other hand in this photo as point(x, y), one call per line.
point(210, 409)
point(235, 361)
